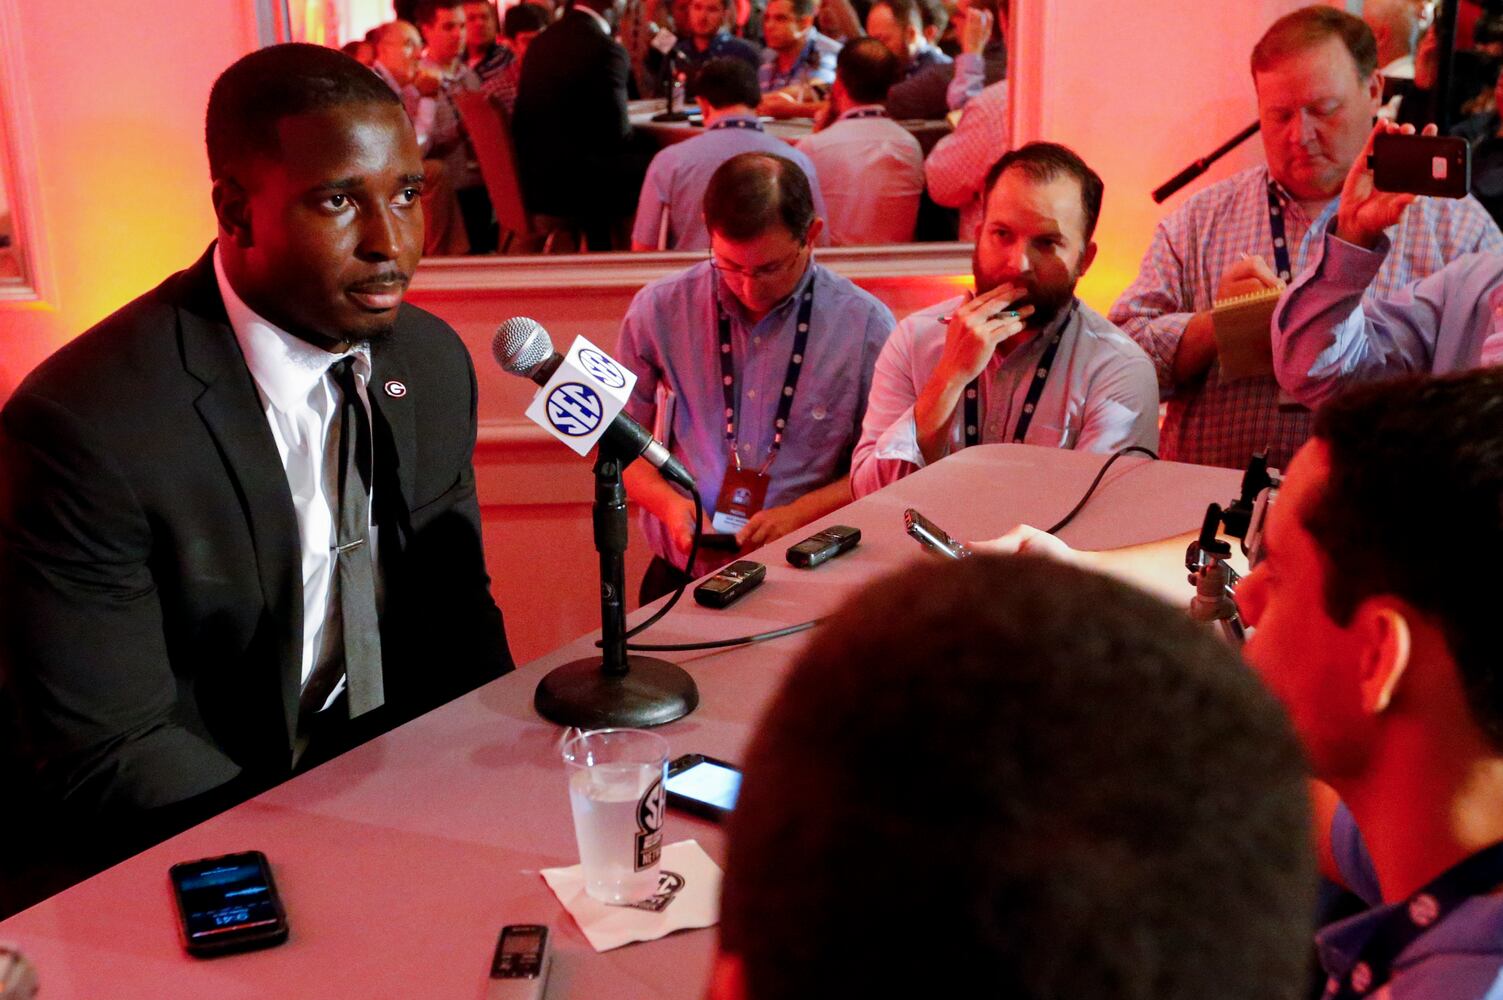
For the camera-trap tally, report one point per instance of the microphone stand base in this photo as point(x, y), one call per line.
point(652, 692)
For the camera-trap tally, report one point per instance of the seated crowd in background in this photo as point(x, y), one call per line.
point(564, 77)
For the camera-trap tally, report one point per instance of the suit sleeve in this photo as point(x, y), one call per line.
point(82, 640)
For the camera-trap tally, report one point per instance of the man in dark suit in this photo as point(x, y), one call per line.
point(238, 523)
point(577, 155)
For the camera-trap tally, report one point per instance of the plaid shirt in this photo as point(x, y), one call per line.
point(1215, 423)
point(957, 167)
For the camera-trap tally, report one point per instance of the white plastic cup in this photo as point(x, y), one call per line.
point(616, 792)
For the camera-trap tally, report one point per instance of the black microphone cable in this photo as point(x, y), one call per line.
point(747, 640)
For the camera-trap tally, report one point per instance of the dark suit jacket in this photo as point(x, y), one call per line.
point(150, 569)
point(574, 143)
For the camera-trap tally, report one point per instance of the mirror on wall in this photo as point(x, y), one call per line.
point(640, 24)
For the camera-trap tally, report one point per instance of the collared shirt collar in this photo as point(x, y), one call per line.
point(605, 25)
point(285, 368)
point(861, 107)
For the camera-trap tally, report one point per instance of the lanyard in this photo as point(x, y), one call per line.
point(1030, 401)
point(750, 123)
point(1276, 226)
point(1476, 875)
point(790, 380)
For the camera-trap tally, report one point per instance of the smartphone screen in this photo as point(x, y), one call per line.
point(709, 783)
point(227, 901)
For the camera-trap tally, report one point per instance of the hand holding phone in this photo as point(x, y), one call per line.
point(1368, 207)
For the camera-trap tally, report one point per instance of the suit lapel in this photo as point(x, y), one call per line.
point(231, 408)
point(394, 423)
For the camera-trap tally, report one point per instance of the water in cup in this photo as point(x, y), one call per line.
point(616, 793)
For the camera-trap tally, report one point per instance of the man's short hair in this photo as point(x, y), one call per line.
point(1415, 495)
point(752, 192)
point(260, 89)
point(1041, 782)
point(1044, 161)
point(426, 11)
point(803, 8)
point(867, 69)
point(1310, 26)
point(725, 81)
point(524, 17)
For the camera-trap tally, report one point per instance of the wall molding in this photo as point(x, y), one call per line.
point(570, 272)
point(18, 155)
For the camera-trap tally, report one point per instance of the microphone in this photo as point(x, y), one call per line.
point(522, 347)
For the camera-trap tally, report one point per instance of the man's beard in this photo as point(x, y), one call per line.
point(1046, 305)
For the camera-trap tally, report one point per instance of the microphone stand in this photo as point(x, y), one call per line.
point(1201, 165)
point(615, 689)
point(671, 115)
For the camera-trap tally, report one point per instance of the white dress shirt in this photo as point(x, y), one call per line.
point(871, 171)
point(302, 408)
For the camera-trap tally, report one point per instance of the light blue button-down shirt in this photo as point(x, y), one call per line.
point(1326, 335)
point(670, 339)
point(676, 181)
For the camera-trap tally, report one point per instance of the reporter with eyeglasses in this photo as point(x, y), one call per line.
point(753, 367)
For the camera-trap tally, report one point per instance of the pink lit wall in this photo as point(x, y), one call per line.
point(118, 90)
point(1139, 89)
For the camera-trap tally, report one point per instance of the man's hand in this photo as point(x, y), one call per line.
point(784, 104)
point(427, 83)
point(978, 326)
point(1028, 540)
point(1364, 211)
point(1197, 345)
point(975, 30)
point(825, 116)
point(768, 525)
point(1250, 274)
point(678, 518)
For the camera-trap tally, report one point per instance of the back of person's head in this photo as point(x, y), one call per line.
point(262, 88)
point(1042, 162)
point(867, 69)
point(752, 192)
point(1308, 27)
point(1012, 778)
point(1414, 495)
point(524, 17)
point(726, 81)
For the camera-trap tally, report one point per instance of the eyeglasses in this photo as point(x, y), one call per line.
point(757, 273)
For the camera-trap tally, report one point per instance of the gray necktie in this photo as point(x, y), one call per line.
point(354, 570)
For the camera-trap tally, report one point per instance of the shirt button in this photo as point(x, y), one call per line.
point(819, 413)
point(751, 394)
point(756, 340)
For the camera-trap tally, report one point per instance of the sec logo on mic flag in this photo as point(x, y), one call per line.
point(574, 409)
point(603, 368)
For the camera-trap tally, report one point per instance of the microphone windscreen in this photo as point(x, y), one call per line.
point(521, 345)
